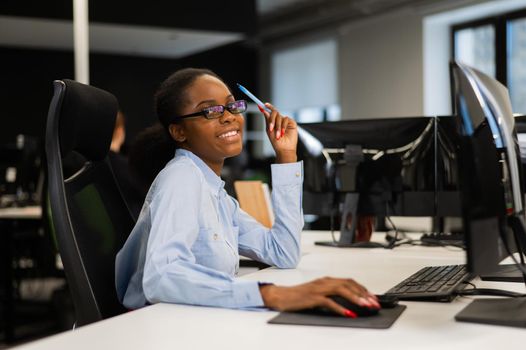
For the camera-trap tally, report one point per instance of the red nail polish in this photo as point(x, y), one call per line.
point(350, 314)
point(261, 109)
point(282, 131)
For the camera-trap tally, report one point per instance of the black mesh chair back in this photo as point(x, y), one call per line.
point(90, 217)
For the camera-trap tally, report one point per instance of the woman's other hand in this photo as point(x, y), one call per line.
point(316, 294)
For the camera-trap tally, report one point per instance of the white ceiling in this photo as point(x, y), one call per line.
point(110, 38)
point(264, 7)
point(38, 33)
point(169, 42)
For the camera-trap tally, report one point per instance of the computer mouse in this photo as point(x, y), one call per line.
point(387, 301)
point(360, 311)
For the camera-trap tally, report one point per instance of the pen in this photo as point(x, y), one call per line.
point(260, 104)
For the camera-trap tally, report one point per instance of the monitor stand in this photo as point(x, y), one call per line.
point(348, 232)
point(506, 311)
point(505, 273)
point(351, 245)
point(511, 272)
point(503, 312)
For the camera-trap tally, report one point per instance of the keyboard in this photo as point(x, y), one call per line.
point(432, 283)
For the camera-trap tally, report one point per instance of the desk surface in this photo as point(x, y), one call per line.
point(422, 325)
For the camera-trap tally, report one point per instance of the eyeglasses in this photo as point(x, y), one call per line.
point(214, 112)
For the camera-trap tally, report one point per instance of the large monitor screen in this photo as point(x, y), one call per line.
point(490, 171)
point(490, 185)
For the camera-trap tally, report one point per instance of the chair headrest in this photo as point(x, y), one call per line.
point(87, 120)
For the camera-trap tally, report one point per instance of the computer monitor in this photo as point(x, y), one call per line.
point(490, 180)
point(379, 167)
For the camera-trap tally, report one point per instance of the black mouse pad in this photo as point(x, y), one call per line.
point(384, 319)
point(503, 312)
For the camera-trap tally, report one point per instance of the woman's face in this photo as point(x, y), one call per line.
point(212, 140)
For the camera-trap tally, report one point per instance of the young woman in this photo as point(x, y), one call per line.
point(185, 246)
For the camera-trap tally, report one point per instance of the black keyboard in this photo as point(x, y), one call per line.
point(432, 283)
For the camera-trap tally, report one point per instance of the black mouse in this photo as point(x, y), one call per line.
point(360, 311)
point(387, 301)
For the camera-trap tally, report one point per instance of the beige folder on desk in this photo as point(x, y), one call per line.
point(254, 198)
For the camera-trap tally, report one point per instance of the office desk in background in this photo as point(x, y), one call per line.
point(423, 325)
point(8, 218)
point(33, 212)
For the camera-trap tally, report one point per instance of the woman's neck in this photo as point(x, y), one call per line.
point(216, 166)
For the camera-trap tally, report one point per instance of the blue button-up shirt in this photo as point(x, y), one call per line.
point(186, 243)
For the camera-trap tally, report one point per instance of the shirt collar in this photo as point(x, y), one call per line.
point(214, 181)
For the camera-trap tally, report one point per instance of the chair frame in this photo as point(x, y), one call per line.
point(87, 308)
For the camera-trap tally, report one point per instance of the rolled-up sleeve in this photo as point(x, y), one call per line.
point(280, 245)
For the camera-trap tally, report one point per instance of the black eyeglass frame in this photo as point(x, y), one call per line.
point(205, 113)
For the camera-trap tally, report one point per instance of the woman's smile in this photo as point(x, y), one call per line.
point(232, 135)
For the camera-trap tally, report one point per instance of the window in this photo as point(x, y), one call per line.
point(516, 58)
point(497, 47)
point(304, 86)
point(304, 80)
point(476, 47)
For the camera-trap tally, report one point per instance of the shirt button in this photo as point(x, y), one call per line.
point(216, 236)
point(298, 174)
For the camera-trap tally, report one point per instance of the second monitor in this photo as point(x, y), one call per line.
point(381, 167)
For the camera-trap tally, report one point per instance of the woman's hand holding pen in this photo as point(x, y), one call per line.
point(316, 294)
point(282, 132)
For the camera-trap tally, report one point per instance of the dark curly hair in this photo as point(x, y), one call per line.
point(151, 149)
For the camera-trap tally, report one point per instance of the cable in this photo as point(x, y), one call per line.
point(520, 248)
point(333, 209)
point(471, 284)
point(428, 241)
point(401, 240)
point(508, 250)
point(392, 243)
point(518, 242)
point(490, 291)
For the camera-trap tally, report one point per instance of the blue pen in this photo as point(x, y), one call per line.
point(260, 104)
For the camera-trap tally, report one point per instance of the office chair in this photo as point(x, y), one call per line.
point(89, 214)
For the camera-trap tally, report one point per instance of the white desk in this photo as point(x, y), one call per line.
point(422, 325)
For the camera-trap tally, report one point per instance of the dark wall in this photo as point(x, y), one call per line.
point(28, 76)
point(26, 88)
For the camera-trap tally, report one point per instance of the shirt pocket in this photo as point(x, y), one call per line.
point(213, 251)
